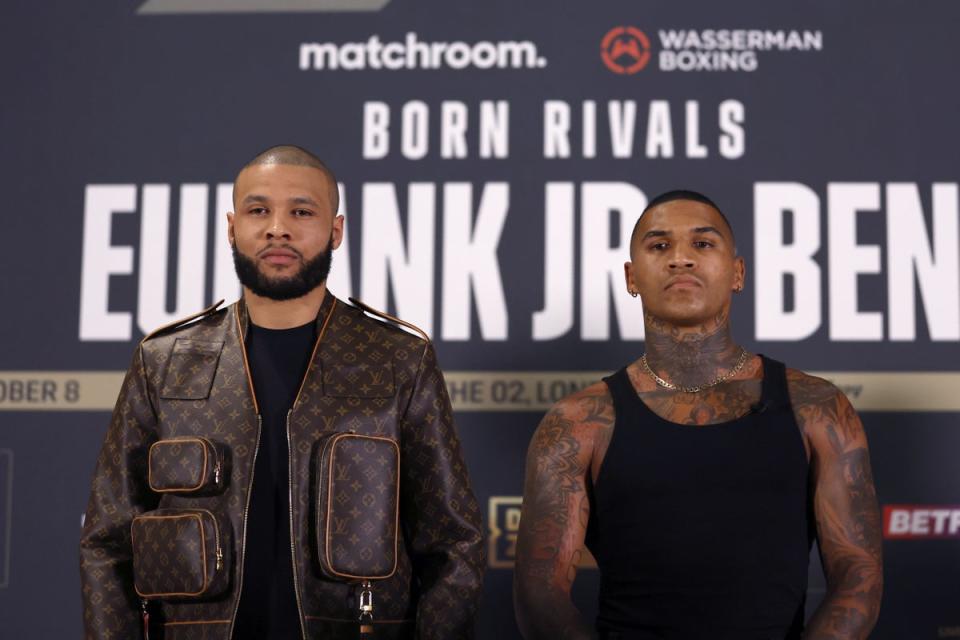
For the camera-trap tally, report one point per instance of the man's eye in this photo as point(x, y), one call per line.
point(703, 244)
point(302, 213)
point(659, 246)
point(258, 210)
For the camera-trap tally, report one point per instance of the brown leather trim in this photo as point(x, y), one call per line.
point(203, 550)
point(396, 524)
point(246, 364)
point(316, 345)
point(403, 621)
point(203, 479)
point(388, 317)
point(176, 622)
point(182, 321)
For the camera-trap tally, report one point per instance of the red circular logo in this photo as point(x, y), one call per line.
point(625, 50)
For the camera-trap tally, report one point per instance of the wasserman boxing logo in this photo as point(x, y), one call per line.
point(921, 521)
point(627, 49)
point(414, 53)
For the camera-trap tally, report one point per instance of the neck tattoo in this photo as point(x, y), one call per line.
point(675, 387)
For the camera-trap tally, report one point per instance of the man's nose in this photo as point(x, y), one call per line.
point(277, 227)
point(681, 258)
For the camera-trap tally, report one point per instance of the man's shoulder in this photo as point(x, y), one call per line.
point(202, 327)
point(810, 391)
point(591, 406)
point(383, 327)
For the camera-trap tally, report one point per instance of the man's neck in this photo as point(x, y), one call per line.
point(284, 314)
point(689, 356)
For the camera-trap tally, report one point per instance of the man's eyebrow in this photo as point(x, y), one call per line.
point(708, 230)
point(655, 233)
point(304, 200)
point(254, 197)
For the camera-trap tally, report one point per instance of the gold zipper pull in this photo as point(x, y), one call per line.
point(216, 473)
point(145, 614)
point(219, 558)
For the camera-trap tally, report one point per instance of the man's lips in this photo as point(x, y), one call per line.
point(683, 282)
point(279, 256)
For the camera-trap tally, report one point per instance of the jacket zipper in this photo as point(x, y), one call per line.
point(246, 510)
point(216, 460)
point(293, 552)
point(216, 536)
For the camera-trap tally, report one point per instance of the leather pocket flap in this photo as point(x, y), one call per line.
point(192, 367)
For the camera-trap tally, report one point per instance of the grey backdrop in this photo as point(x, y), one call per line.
point(104, 94)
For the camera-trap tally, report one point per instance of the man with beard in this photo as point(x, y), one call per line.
point(698, 474)
point(209, 482)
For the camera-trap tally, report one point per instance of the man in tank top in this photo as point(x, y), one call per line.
point(699, 474)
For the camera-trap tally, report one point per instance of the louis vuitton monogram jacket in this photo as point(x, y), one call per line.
point(366, 376)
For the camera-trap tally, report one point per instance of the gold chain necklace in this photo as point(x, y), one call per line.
point(675, 387)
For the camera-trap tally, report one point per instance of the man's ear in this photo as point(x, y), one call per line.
point(740, 274)
point(336, 236)
point(628, 276)
point(230, 216)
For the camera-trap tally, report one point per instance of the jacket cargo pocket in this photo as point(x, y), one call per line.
point(188, 464)
point(179, 553)
point(357, 511)
point(191, 370)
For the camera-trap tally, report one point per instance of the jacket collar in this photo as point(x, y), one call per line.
point(326, 307)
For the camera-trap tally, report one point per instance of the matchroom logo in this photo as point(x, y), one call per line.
point(914, 521)
point(625, 50)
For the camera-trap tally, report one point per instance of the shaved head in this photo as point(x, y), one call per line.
point(289, 154)
point(681, 194)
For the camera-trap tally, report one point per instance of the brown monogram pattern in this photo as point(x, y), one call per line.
point(358, 507)
point(366, 376)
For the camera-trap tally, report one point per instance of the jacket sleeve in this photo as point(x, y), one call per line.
point(439, 512)
point(119, 492)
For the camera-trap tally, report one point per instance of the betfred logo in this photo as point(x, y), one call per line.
point(920, 521)
point(625, 50)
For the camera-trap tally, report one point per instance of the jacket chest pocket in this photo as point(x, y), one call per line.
point(192, 367)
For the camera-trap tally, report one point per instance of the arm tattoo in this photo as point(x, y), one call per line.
point(556, 510)
point(845, 502)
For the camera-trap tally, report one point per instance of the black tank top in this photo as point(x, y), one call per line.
point(702, 532)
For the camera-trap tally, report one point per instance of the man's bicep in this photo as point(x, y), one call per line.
point(845, 501)
point(555, 503)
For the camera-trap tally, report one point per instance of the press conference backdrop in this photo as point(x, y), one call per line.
point(492, 160)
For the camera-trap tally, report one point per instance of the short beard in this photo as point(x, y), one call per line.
point(311, 275)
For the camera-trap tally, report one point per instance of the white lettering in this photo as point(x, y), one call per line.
point(408, 265)
point(102, 260)
point(848, 260)
point(777, 260)
point(601, 265)
point(556, 129)
point(376, 123)
point(556, 317)
point(470, 261)
point(414, 134)
point(154, 254)
point(659, 130)
point(910, 260)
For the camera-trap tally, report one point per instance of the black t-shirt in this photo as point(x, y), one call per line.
point(268, 606)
